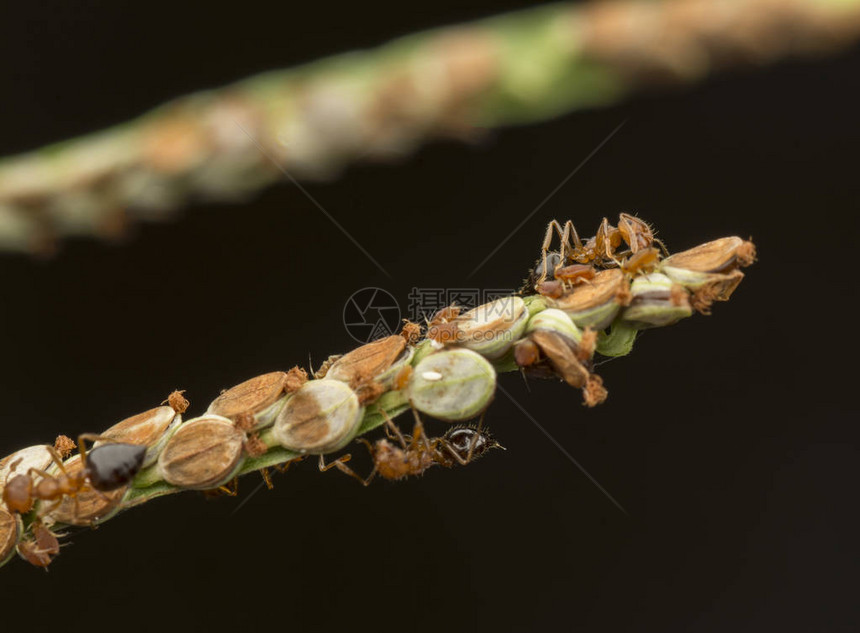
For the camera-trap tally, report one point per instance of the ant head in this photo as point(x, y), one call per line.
point(553, 261)
point(463, 439)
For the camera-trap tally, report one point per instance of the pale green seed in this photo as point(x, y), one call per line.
point(491, 329)
point(656, 302)
point(453, 385)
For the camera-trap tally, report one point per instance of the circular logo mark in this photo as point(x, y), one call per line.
point(371, 313)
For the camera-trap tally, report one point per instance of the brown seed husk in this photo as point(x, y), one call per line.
point(586, 347)
point(9, 534)
point(604, 287)
point(91, 505)
point(526, 352)
point(365, 363)
point(143, 429)
point(319, 418)
point(561, 355)
point(491, 328)
point(720, 288)
point(722, 255)
point(203, 453)
point(251, 396)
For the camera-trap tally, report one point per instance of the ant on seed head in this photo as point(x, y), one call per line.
point(575, 261)
point(416, 453)
point(104, 468)
point(644, 261)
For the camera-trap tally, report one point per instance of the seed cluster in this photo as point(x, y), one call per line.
point(552, 329)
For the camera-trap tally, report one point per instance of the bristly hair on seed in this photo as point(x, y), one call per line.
point(64, 445)
point(296, 377)
point(177, 401)
point(411, 332)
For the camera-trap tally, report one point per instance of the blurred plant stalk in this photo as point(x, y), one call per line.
point(382, 104)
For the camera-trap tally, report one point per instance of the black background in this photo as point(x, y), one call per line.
point(730, 440)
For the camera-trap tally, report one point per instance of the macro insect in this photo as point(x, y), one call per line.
point(414, 454)
point(104, 468)
point(576, 262)
point(644, 261)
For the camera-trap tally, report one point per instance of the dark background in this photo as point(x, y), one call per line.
point(730, 440)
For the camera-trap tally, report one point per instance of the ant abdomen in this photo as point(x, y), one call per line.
point(17, 494)
point(111, 466)
point(469, 440)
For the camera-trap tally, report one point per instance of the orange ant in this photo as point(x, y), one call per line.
point(416, 453)
point(105, 468)
point(564, 277)
point(600, 250)
point(645, 261)
point(638, 234)
point(575, 274)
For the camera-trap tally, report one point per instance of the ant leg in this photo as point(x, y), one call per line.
point(388, 433)
point(547, 242)
point(418, 433)
point(231, 488)
point(568, 248)
point(443, 442)
point(474, 441)
point(92, 437)
point(346, 470)
point(340, 460)
point(89, 488)
point(602, 241)
point(662, 246)
point(389, 424)
point(58, 460)
point(367, 444)
point(282, 468)
point(49, 509)
point(41, 473)
point(267, 479)
point(563, 248)
point(573, 236)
